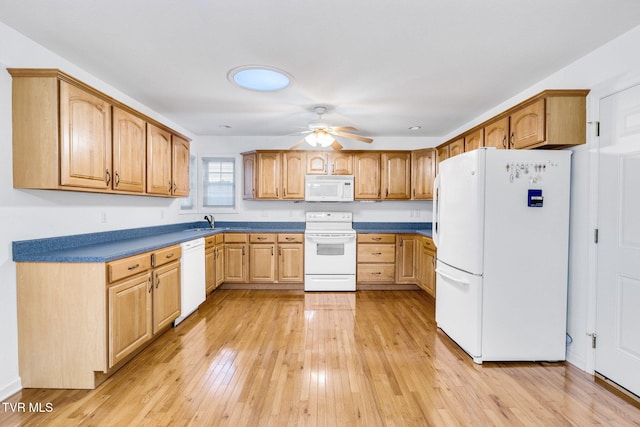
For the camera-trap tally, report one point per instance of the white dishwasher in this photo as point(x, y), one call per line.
point(192, 278)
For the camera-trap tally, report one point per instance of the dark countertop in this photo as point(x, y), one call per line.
point(111, 245)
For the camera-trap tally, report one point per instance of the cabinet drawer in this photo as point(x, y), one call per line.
point(262, 238)
point(376, 253)
point(290, 238)
point(427, 243)
point(129, 266)
point(209, 242)
point(376, 238)
point(235, 237)
point(376, 273)
point(166, 255)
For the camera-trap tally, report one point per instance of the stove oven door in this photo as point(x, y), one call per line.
point(330, 253)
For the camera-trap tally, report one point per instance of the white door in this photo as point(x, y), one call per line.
point(618, 280)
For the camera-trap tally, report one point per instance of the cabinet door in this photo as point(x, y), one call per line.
point(129, 151)
point(527, 126)
point(210, 269)
point(262, 263)
point(396, 175)
point(406, 253)
point(85, 145)
point(249, 176)
point(456, 147)
point(293, 168)
point(129, 316)
point(443, 153)
point(219, 269)
point(367, 175)
point(236, 267)
point(496, 134)
point(429, 272)
point(180, 167)
point(341, 163)
point(158, 161)
point(166, 295)
point(474, 140)
point(317, 163)
point(291, 262)
point(423, 172)
point(268, 176)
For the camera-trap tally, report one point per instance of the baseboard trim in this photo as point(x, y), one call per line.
point(10, 389)
point(617, 389)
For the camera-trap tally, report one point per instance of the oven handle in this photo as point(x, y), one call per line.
point(330, 239)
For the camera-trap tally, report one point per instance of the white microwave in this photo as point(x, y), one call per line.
point(328, 188)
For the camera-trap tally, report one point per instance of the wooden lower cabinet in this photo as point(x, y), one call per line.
point(214, 261)
point(80, 322)
point(426, 268)
point(219, 260)
point(130, 303)
point(376, 258)
point(406, 258)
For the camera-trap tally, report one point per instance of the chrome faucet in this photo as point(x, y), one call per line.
point(209, 219)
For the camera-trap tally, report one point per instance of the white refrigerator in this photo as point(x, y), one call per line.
point(501, 227)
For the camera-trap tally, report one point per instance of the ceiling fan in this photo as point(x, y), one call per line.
point(321, 134)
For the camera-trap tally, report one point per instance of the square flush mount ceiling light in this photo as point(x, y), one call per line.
point(259, 78)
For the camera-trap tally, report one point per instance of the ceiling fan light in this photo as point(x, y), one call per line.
point(324, 139)
point(311, 139)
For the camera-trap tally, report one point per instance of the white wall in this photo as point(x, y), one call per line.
point(27, 214)
point(606, 70)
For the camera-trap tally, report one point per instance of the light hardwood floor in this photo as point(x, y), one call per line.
point(280, 358)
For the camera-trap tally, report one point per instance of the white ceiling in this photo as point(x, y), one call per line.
point(380, 66)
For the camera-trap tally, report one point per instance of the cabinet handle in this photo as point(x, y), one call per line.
point(150, 285)
point(511, 140)
point(174, 187)
point(376, 253)
point(279, 251)
point(401, 241)
point(170, 255)
point(157, 280)
point(376, 273)
point(262, 238)
point(284, 192)
point(271, 250)
point(243, 251)
point(377, 239)
point(169, 186)
point(133, 267)
point(116, 181)
point(276, 192)
point(108, 177)
point(289, 238)
point(504, 141)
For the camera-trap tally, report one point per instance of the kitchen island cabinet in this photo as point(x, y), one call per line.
point(78, 322)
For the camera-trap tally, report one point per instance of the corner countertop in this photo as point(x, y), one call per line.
point(112, 245)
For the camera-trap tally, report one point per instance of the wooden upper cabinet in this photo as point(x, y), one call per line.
point(367, 175)
point(496, 134)
point(159, 153)
point(442, 153)
point(129, 151)
point(396, 175)
point(85, 146)
point(293, 166)
point(474, 140)
point(249, 176)
point(329, 163)
point(423, 172)
point(317, 163)
point(180, 166)
point(456, 147)
point(268, 175)
point(340, 163)
point(70, 136)
point(528, 125)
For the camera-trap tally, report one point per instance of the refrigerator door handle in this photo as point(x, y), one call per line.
point(436, 210)
point(454, 279)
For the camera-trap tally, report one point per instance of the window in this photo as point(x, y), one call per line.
point(218, 183)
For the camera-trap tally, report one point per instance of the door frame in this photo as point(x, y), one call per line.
point(597, 93)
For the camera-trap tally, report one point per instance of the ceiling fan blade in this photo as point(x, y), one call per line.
point(351, 128)
point(336, 145)
point(297, 144)
point(353, 136)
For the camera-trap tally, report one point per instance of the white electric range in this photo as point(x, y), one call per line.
point(329, 252)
